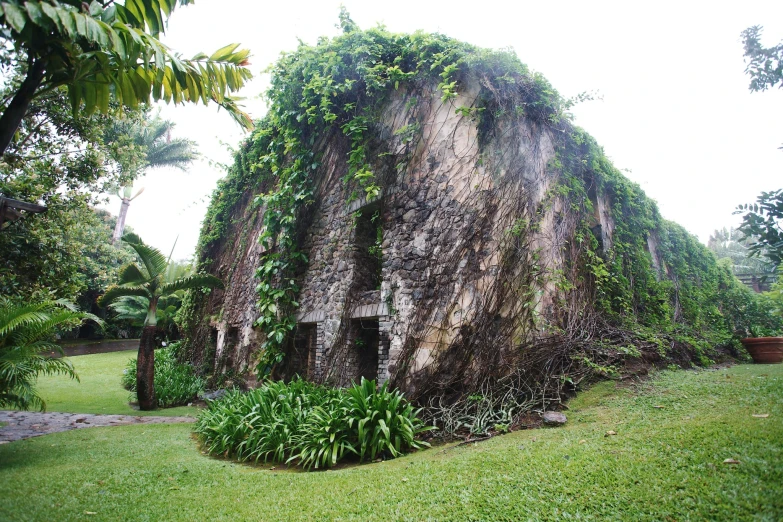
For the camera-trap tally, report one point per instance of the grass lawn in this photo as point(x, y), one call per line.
point(664, 464)
point(99, 391)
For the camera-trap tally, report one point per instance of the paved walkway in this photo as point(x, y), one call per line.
point(26, 424)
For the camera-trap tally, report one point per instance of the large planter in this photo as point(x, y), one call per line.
point(764, 350)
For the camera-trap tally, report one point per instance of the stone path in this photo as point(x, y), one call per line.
point(26, 424)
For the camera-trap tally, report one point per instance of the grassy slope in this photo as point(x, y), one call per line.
point(664, 464)
point(99, 390)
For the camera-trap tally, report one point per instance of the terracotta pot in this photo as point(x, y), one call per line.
point(764, 350)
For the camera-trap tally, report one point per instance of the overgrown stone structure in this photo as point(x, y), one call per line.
point(477, 230)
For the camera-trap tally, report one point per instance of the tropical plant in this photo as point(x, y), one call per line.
point(175, 382)
point(148, 280)
point(104, 50)
point(133, 308)
point(156, 148)
point(26, 338)
point(310, 424)
point(729, 243)
point(384, 421)
point(761, 222)
point(64, 162)
point(325, 438)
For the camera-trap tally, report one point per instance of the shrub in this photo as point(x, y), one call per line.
point(310, 424)
point(175, 383)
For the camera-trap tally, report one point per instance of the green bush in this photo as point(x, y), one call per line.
point(310, 424)
point(176, 383)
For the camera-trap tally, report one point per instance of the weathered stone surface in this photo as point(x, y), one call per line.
point(213, 395)
point(554, 418)
point(437, 258)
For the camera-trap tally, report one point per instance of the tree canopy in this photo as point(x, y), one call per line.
point(104, 50)
point(764, 64)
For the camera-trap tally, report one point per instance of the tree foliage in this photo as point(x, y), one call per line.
point(65, 253)
point(730, 243)
point(134, 308)
point(104, 50)
point(764, 64)
point(761, 223)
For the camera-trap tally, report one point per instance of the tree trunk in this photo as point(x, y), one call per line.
point(145, 370)
point(120, 228)
point(16, 110)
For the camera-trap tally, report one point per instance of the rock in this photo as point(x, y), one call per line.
point(554, 418)
point(213, 395)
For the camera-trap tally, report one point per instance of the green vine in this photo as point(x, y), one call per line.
point(337, 84)
point(339, 88)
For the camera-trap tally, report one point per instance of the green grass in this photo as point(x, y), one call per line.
point(663, 464)
point(99, 391)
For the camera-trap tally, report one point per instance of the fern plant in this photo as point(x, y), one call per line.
point(26, 335)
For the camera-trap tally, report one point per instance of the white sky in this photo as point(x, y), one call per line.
point(676, 111)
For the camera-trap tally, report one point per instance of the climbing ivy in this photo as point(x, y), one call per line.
point(340, 83)
point(689, 297)
point(340, 87)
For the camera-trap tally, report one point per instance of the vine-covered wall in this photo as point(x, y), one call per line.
point(417, 209)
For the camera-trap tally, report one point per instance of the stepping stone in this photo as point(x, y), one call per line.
point(554, 418)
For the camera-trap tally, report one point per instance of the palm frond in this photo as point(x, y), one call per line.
point(192, 282)
point(116, 291)
point(154, 261)
point(132, 237)
point(131, 308)
point(132, 274)
point(178, 153)
point(13, 317)
point(26, 335)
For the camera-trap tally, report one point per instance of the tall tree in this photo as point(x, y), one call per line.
point(148, 280)
point(156, 148)
point(104, 50)
point(62, 161)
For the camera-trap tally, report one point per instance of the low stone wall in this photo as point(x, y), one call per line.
point(72, 349)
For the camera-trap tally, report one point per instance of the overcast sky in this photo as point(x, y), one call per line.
point(676, 112)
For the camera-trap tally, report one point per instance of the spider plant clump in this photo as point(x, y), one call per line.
point(311, 425)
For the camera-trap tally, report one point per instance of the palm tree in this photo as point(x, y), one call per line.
point(26, 332)
point(153, 140)
point(133, 308)
point(148, 280)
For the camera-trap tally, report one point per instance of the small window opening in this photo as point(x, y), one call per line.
point(365, 343)
point(367, 248)
point(301, 359)
point(230, 345)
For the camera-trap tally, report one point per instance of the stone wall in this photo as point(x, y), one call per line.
point(443, 223)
